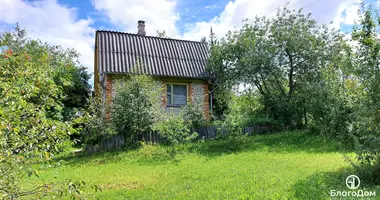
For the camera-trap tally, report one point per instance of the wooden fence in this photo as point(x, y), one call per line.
point(204, 133)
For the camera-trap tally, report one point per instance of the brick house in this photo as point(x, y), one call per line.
point(178, 66)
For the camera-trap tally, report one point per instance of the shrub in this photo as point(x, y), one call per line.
point(174, 129)
point(193, 113)
point(30, 108)
point(135, 106)
point(96, 126)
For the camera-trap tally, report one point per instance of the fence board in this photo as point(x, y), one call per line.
point(208, 132)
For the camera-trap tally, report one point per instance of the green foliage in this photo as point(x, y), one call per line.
point(221, 98)
point(194, 114)
point(332, 101)
point(31, 105)
point(135, 106)
point(365, 67)
point(96, 126)
point(248, 110)
point(72, 77)
point(68, 74)
point(173, 128)
point(276, 57)
point(220, 83)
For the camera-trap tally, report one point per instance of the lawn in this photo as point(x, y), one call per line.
point(286, 165)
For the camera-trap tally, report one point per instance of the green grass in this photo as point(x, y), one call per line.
point(287, 165)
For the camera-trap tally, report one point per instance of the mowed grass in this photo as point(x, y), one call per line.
point(286, 165)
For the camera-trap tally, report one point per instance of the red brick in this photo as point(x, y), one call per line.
point(206, 99)
point(164, 96)
point(108, 95)
point(190, 93)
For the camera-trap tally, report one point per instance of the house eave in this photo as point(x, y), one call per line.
point(158, 76)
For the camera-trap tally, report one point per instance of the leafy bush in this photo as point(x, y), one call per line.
point(30, 112)
point(193, 113)
point(96, 126)
point(174, 129)
point(247, 110)
point(364, 85)
point(135, 106)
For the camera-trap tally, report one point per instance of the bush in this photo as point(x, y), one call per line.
point(193, 113)
point(174, 129)
point(247, 110)
point(96, 126)
point(31, 105)
point(135, 106)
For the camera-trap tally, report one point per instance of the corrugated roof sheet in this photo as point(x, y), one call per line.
point(120, 52)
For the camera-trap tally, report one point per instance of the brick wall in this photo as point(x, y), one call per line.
point(109, 91)
point(197, 92)
point(163, 97)
point(206, 101)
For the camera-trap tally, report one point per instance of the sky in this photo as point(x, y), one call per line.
point(72, 23)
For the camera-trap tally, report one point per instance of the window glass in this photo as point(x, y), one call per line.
point(179, 94)
point(176, 94)
point(169, 88)
point(169, 99)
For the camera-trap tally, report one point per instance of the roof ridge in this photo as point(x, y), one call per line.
point(135, 34)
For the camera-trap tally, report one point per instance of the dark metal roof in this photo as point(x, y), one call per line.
point(121, 53)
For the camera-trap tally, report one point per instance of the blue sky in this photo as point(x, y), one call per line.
point(72, 23)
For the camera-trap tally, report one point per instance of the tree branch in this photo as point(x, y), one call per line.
point(290, 75)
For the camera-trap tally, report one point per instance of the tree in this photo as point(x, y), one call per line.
point(173, 128)
point(69, 74)
point(30, 106)
point(78, 92)
point(366, 70)
point(220, 82)
point(136, 105)
point(277, 57)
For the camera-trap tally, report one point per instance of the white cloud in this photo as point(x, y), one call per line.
point(210, 7)
point(124, 14)
point(324, 11)
point(52, 23)
point(347, 13)
point(58, 24)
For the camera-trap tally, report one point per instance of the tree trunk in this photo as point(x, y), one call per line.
point(304, 112)
point(291, 82)
point(173, 152)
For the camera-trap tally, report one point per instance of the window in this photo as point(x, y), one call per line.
point(176, 95)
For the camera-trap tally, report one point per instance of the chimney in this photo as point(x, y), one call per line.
point(141, 27)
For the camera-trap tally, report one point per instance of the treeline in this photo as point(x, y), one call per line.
point(297, 74)
point(44, 91)
point(300, 74)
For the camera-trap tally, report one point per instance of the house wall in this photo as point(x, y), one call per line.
point(197, 92)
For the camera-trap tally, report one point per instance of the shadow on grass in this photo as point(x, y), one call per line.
point(319, 185)
point(295, 141)
point(147, 154)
